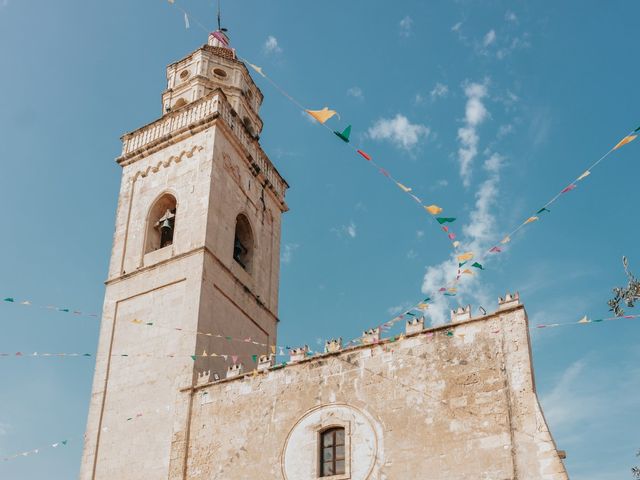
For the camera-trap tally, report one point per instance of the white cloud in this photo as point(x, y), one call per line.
point(356, 92)
point(418, 99)
point(411, 254)
point(399, 308)
point(440, 90)
point(346, 230)
point(510, 17)
point(475, 114)
point(456, 27)
point(287, 252)
point(505, 130)
point(560, 404)
point(400, 131)
point(489, 38)
point(271, 45)
point(406, 26)
point(420, 233)
point(476, 237)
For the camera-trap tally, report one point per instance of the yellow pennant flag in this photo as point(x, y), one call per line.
point(625, 140)
point(585, 174)
point(433, 209)
point(136, 321)
point(423, 306)
point(273, 349)
point(506, 239)
point(467, 271)
point(257, 69)
point(403, 187)
point(465, 257)
point(531, 220)
point(322, 115)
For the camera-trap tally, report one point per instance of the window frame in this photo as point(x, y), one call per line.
point(321, 430)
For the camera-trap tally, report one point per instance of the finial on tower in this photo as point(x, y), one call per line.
point(219, 38)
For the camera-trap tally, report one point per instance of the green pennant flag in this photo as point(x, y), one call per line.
point(477, 265)
point(254, 358)
point(392, 339)
point(450, 294)
point(150, 323)
point(193, 357)
point(64, 442)
point(86, 355)
point(9, 299)
point(428, 299)
point(63, 310)
point(442, 220)
point(636, 130)
point(344, 135)
point(228, 338)
point(461, 264)
point(543, 210)
point(412, 314)
point(449, 333)
point(597, 320)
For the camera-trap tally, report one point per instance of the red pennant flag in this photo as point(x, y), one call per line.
point(569, 188)
point(496, 250)
point(365, 155)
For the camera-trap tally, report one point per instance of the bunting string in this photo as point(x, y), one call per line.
point(29, 303)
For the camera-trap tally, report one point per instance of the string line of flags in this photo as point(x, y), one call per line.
point(53, 308)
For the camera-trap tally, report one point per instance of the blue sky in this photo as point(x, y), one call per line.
point(487, 109)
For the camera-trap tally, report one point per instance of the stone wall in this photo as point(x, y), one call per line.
point(452, 402)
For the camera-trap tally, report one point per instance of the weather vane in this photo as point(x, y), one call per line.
point(219, 23)
point(628, 295)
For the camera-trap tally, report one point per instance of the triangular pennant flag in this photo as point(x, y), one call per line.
point(467, 271)
point(506, 239)
point(542, 210)
point(452, 236)
point(568, 188)
point(584, 175)
point(193, 357)
point(234, 359)
point(450, 294)
point(322, 115)
point(344, 135)
point(384, 172)
point(461, 264)
point(584, 320)
point(456, 244)
point(625, 140)
point(423, 306)
point(465, 256)
point(442, 220)
point(445, 229)
point(433, 209)
point(257, 69)
point(403, 187)
point(186, 21)
point(9, 299)
point(273, 349)
point(254, 358)
point(495, 250)
point(136, 321)
point(366, 156)
point(64, 442)
point(477, 265)
point(530, 220)
point(26, 302)
point(204, 353)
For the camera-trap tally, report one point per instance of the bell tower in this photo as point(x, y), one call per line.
point(194, 268)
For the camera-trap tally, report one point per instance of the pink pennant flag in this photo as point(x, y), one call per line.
point(234, 359)
point(385, 173)
point(452, 236)
point(495, 250)
point(442, 289)
point(569, 188)
point(445, 228)
point(248, 340)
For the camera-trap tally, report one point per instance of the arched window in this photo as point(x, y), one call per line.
point(243, 243)
point(181, 102)
point(161, 223)
point(332, 455)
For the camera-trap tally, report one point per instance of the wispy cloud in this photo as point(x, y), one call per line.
point(475, 114)
point(440, 90)
point(489, 38)
point(356, 92)
point(477, 235)
point(288, 251)
point(509, 16)
point(350, 230)
point(400, 131)
point(406, 26)
point(271, 46)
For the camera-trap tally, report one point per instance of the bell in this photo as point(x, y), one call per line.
point(166, 225)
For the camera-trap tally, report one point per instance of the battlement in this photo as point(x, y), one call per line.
point(333, 345)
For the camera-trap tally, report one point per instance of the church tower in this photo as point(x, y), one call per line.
point(193, 279)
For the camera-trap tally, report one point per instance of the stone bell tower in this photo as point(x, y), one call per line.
point(194, 268)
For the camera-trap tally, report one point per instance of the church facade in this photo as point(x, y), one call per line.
point(185, 386)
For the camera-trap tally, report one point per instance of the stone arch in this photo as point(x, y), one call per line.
point(243, 242)
point(161, 223)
